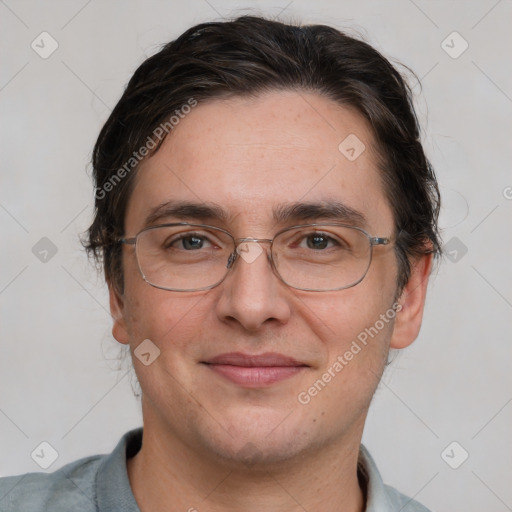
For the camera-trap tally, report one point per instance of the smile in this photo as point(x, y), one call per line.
point(253, 371)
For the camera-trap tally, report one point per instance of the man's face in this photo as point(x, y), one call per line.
point(249, 157)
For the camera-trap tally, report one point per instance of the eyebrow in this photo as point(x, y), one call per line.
point(282, 214)
point(186, 210)
point(327, 210)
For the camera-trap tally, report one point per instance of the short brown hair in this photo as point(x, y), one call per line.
point(247, 56)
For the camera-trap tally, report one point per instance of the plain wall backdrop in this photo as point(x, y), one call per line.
point(61, 379)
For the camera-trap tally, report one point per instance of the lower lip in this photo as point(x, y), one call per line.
point(255, 376)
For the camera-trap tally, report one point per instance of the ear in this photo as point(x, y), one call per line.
point(412, 301)
point(119, 330)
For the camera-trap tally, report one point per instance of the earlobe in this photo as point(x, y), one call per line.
point(412, 302)
point(119, 330)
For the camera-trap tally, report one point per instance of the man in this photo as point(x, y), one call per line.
point(267, 221)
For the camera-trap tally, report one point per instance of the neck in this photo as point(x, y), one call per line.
point(167, 475)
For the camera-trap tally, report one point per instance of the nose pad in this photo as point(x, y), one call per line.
point(249, 251)
point(231, 260)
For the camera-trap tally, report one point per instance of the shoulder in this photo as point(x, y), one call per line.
point(91, 484)
point(72, 487)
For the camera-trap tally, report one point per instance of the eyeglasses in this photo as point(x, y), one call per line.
point(187, 257)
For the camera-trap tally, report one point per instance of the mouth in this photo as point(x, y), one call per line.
point(254, 371)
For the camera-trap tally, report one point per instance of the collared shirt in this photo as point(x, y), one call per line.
point(100, 484)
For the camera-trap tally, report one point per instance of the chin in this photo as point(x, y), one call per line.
point(259, 440)
point(260, 454)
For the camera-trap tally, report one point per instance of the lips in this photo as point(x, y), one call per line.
point(254, 371)
point(246, 360)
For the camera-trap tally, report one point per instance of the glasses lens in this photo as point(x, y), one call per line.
point(184, 257)
point(322, 258)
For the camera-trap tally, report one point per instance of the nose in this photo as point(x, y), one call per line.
point(252, 295)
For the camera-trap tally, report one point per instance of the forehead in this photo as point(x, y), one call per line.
point(253, 156)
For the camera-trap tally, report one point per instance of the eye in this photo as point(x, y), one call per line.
point(318, 241)
point(193, 242)
point(188, 242)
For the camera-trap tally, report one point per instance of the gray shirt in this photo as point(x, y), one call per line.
point(100, 484)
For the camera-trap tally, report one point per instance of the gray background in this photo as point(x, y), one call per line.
point(61, 379)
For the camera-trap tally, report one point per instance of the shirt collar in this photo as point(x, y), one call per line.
point(377, 499)
point(114, 491)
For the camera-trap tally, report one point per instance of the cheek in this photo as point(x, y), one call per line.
point(343, 316)
point(165, 318)
point(355, 336)
point(158, 315)
point(355, 328)
point(173, 324)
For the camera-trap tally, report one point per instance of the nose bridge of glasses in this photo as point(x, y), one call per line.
point(239, 241)
point(249, 249)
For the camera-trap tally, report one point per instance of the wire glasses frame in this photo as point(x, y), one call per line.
point(160, 261)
